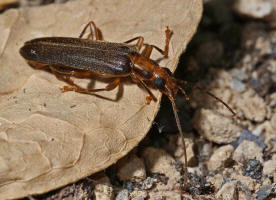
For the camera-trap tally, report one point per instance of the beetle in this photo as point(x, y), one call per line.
point(81, 58)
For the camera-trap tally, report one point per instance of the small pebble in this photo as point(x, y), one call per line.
point(215, 127)
point(148, 183)
point(138, 195)
point(159, 161)
point(238, 74)
point(205, 151)
point(160, 195)
point(270, 166)
point(131, 168)
point(252, 106)
point(273, 121)
point(103, 192)
point(258, 130)
point(179, 152)
point(228, 191)
point(123, 195)
point(272, 99)
point(199, 185)
point(103, 189)
point(247, 135)
point(253, 169)
point(264, 192)
point(220, 158)
point(237, 85)
point(247, 150)
point(253, 8)
point(216, 180)
point(247, 182)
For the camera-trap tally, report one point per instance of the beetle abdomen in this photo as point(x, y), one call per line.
point(101, 57)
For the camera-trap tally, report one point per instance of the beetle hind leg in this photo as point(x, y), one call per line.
point(76, 88)
point(140, 42)
point(94, 34)
point(65, 76)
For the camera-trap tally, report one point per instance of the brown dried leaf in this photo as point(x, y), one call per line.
point(48, 138)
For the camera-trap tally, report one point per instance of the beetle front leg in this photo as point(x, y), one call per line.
point(151, 96)
point(148, 48)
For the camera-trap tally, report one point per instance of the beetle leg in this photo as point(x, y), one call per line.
point(37, 65)
point(151, 95)
point(94, 32)
point(168, 33)
point(83, 74)
point(148, 100)
point(148, 48)
point(140, 42)
point(181, 81)
point(59, 75)
point(109, 87)
point(147, 51)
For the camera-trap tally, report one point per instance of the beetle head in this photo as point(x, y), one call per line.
point(166, 83)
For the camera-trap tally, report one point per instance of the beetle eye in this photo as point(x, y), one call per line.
point(159, 83)
point(168, 71)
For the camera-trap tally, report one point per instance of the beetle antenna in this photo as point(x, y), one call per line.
point(182, 137)
point(184, 93)
point(218, 99)
point(207, 92)
point(183, 142)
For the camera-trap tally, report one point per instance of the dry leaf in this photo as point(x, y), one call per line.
point(49, 138)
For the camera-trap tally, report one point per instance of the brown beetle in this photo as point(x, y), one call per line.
point(81, 58)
